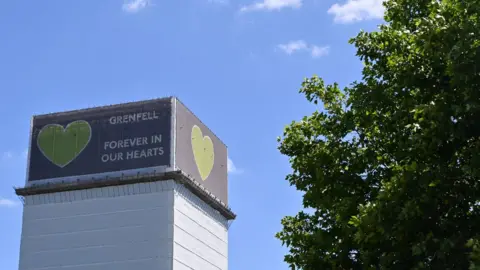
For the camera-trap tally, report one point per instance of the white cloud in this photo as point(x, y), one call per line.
point(272, 5)
point(10, 155)
point(293, 46)
point(300, 45)
point(317, 51)
point(357, 10)
point(221, 2)
point(7, 155)
point(231, 168)
point(7, 202)
point(134, 6)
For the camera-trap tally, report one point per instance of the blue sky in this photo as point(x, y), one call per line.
point(237, 64)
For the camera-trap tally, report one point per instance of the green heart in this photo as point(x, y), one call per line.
point(203, 152)
point(62, 145)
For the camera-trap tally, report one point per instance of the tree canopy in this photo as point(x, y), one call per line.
point(390, 167)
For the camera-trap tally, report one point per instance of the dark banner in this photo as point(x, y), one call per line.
point(101, 140)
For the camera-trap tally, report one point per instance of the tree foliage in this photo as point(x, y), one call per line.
point(390, 167)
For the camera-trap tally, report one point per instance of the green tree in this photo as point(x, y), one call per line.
point(390, 167)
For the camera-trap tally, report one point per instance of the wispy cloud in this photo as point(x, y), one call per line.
point(7, 155)
point(318, 51)
point(300, 45)
point(293, 46)
point(357, 10)
point(272, 5)
point(222, 2)
point(232, 168)
point(7, 202)
point(133, 6)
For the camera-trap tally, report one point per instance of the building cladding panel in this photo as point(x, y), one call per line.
point(144, 226)
point(200, 234)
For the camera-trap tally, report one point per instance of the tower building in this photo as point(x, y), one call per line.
point(134, 186)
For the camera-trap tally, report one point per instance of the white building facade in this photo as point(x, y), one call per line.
point(157, 225)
